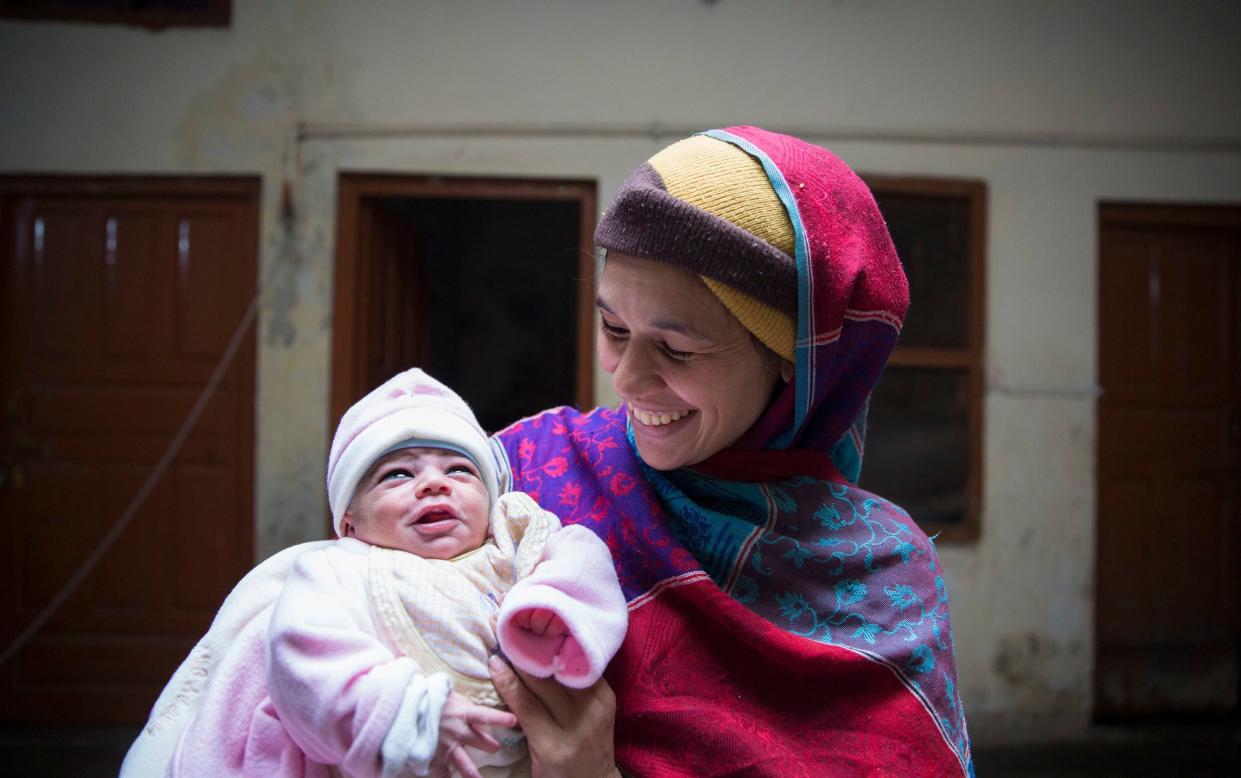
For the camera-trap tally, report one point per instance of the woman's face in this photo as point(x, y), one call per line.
point(692, 376)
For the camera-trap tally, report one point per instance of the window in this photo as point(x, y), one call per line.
point(924, 444)
point(153, 14)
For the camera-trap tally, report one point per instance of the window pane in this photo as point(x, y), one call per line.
point(917, 445)
point(932, 237)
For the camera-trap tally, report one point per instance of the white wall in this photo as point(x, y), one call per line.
point(1056, 105)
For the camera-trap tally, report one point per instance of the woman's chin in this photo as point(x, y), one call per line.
point(662, 454)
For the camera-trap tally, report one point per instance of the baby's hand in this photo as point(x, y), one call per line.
point(464, 723)
point(541, 622)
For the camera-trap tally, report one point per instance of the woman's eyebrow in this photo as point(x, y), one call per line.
point(672, 325)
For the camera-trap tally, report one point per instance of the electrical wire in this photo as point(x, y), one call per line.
point(174, 446)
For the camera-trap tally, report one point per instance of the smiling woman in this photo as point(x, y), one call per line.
point(783, 621)
point(691, 375)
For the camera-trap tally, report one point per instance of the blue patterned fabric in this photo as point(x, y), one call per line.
point(830, 562)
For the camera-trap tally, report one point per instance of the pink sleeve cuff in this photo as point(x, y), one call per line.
point(562, 656)
point(576, 581)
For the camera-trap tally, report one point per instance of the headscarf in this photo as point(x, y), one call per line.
point(775, 522)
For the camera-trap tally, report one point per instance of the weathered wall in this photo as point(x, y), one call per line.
point(1056, 105)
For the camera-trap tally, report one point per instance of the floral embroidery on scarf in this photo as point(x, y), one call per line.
point(875, 573)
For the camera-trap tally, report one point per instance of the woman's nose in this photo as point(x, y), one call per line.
point(635, 373)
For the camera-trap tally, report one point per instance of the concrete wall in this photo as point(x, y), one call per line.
point(1056, 105)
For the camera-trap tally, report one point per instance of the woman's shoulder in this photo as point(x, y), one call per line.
point(557, 453)
point(558, 420)
point(554, 431)
point(853, 531)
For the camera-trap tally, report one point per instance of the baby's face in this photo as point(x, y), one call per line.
point(427, 501)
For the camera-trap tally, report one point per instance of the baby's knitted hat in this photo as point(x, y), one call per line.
point(410, 410)
point(705, 205)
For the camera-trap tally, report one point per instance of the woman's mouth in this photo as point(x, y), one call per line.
point(657, 418)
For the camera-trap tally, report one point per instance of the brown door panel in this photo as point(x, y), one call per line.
point(1167, 592)
point(120, 296)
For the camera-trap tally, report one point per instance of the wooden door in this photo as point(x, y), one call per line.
point(119, 297)
point(1168, 582)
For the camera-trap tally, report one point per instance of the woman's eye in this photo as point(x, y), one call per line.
point(672, 353)
point(614, 332)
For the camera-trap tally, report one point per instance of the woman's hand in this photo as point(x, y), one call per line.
point(569, 730)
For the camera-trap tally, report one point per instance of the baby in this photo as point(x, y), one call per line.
point(376, 650)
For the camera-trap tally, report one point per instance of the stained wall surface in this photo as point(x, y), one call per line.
point(1055, 105)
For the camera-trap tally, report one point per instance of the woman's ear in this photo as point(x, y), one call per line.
point(786, 370)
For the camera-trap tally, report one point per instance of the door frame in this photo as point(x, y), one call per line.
point(353, 265)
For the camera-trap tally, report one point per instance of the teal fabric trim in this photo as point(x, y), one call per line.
point(805, 306)
point(713, 523)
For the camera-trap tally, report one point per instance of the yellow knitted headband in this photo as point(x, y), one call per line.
point(707, 206)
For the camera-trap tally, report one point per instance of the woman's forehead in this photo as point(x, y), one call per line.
point(663, 297)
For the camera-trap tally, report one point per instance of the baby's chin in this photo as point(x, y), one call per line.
point(426, 553)
point(442, 550)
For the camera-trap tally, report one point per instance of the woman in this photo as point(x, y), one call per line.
point(782, 620)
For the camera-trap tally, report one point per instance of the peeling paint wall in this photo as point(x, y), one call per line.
point(1056, 105)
